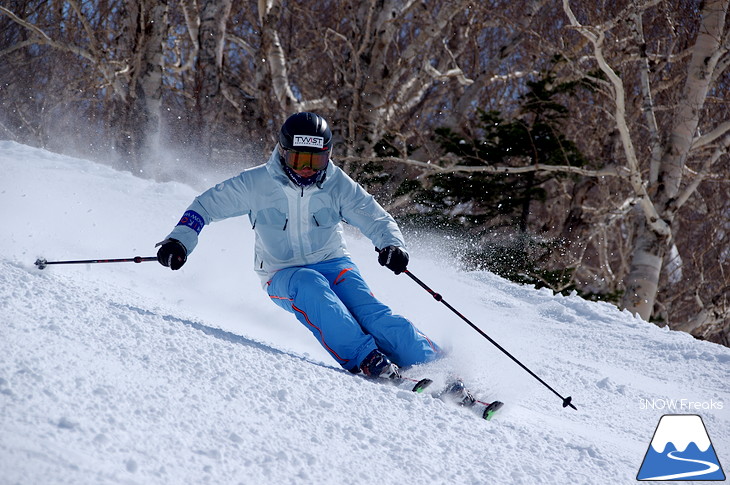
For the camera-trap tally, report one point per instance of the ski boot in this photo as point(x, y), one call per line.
point(377, 365)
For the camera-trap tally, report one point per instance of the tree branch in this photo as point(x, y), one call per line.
point(16, 47)
point(704, 171)
point(596, 37)
point(647, 105)
point(710, 137)
point(611, 171)
point(45, 39)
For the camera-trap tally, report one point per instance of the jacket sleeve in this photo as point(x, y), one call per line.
point(227, 199)
point(360, 209)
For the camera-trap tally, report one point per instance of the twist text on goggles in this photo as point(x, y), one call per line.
point(302, 160)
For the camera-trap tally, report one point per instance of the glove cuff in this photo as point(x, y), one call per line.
point(171, 240)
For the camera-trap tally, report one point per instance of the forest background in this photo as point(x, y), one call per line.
point(579, 145)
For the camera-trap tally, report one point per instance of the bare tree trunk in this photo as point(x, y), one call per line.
point(151, 63)
point(139, 113)
point(642, 282)
point(273, 52)
point(209, 99)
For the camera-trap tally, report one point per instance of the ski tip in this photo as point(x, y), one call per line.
point(491, 409)
point(422, 385)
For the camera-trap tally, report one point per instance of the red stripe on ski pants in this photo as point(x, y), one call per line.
point(345, 317)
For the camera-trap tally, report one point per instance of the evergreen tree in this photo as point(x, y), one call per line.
point(496, 209)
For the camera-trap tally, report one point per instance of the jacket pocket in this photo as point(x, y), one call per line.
point(270, 225)
point(324, 224)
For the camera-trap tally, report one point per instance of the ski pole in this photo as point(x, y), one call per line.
point(437, 297)
point(42, 263)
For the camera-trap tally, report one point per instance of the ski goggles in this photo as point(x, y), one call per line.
point(301, 160)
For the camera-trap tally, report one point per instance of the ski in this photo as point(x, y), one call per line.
point(455, 392)
point(415, 385)
point(490, 408)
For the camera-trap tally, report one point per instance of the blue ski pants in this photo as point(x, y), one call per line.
point(333, 301)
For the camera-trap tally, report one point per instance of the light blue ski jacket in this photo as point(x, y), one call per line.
point(293, 225)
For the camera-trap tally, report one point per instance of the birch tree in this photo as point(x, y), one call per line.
point(664, 189)
point(210, 102)
point(138, 107)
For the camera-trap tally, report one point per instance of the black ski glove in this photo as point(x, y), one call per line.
point(393, 258)
point(172, 254)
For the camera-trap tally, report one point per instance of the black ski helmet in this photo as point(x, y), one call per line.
point(305, 132)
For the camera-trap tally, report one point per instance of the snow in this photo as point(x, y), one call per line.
point(126, 373)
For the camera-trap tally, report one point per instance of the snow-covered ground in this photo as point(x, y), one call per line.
point(131, 373)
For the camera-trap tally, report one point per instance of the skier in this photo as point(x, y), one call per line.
point(296, 203)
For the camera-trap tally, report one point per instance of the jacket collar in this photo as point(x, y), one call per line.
point(275, 169)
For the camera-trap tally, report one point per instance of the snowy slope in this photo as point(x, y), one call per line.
point(130, 373)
